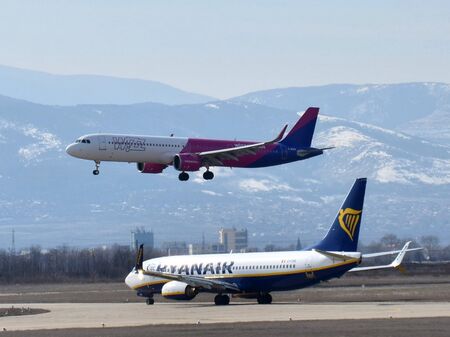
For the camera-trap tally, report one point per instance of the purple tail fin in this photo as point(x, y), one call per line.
point(302, 132)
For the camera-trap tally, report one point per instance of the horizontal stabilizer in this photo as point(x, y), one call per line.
point(394, 264)
point(335, 255)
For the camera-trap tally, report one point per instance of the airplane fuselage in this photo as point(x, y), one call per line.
point(153, 154)
point(250, 272)
point(162, 150)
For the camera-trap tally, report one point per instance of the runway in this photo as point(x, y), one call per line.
point(97, 315)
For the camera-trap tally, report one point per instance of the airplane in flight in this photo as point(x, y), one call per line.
point(256, 275)
point(153, 154)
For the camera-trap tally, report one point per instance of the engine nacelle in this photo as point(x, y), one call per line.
point(150, 167)
point(175, 290)
point(187, 162)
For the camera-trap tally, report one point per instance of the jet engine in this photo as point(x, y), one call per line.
point(187, 162)
point(175, 290)
point(150, 167)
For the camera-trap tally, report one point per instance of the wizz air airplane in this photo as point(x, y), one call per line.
point(153, 154)
point(256, 275)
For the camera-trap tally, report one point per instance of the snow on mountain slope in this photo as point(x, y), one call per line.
point(421, 109)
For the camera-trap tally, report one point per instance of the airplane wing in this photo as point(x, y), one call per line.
point(215, 157)
point(193, 281)
point(394, 264)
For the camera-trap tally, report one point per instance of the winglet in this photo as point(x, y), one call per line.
point(139, 258)
point(280, 135)
point(398, 260)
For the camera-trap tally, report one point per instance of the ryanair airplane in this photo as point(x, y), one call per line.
point(256, 275)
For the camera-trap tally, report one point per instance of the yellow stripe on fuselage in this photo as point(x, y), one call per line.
point(293, 272)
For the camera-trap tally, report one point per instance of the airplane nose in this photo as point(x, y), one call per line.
point(130, 280)
point(71, 150)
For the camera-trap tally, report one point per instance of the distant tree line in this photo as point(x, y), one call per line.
point(61, 264)
point(64, 264)
point(433, 250)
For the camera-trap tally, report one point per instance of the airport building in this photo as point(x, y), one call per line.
point(175, 248)
point(233, 239)
point(141, 236)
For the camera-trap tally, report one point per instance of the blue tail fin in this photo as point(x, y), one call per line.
point(344, 232)
point(301, 134)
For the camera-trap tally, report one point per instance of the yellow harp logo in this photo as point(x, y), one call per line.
point(348, 219)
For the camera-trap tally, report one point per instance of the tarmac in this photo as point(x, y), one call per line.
point(110, 315)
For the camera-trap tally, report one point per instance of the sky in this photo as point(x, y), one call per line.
point(228, 48)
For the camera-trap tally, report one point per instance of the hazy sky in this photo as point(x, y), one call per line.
point(227, 48)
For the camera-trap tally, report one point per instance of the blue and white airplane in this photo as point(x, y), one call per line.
point(256, 275)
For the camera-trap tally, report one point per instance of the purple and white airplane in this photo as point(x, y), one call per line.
point(153, 154)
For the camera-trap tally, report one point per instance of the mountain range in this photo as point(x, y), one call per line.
point(52, 199)
point(45, 88)
point(421, 109)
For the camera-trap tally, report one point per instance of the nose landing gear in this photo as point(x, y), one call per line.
point(96, 172)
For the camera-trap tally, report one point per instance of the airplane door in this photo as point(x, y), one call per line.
point(309, 269)
point(102, 143)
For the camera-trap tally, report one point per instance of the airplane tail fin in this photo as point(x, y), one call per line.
point(344, 232)
point(302, 132)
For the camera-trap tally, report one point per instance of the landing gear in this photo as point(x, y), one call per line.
point(183, 176)
point(221, 299)
point(264, 298)
point(208, 175)
point(96, 171)
point(150, 301)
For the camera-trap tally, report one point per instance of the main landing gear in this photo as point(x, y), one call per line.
point(264, 298)
point(96, 171)
point(208, 175)
point(221, 299)
point(183, 176)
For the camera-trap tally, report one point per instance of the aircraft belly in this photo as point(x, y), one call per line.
point(140, 157)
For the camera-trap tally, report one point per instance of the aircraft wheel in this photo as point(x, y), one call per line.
point(183, 176)
point(150, 301)
point(208, 175)
point(265, 298)
point(96, 171)
point(221, 300)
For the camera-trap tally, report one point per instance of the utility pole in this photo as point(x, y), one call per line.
point(13, 243)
